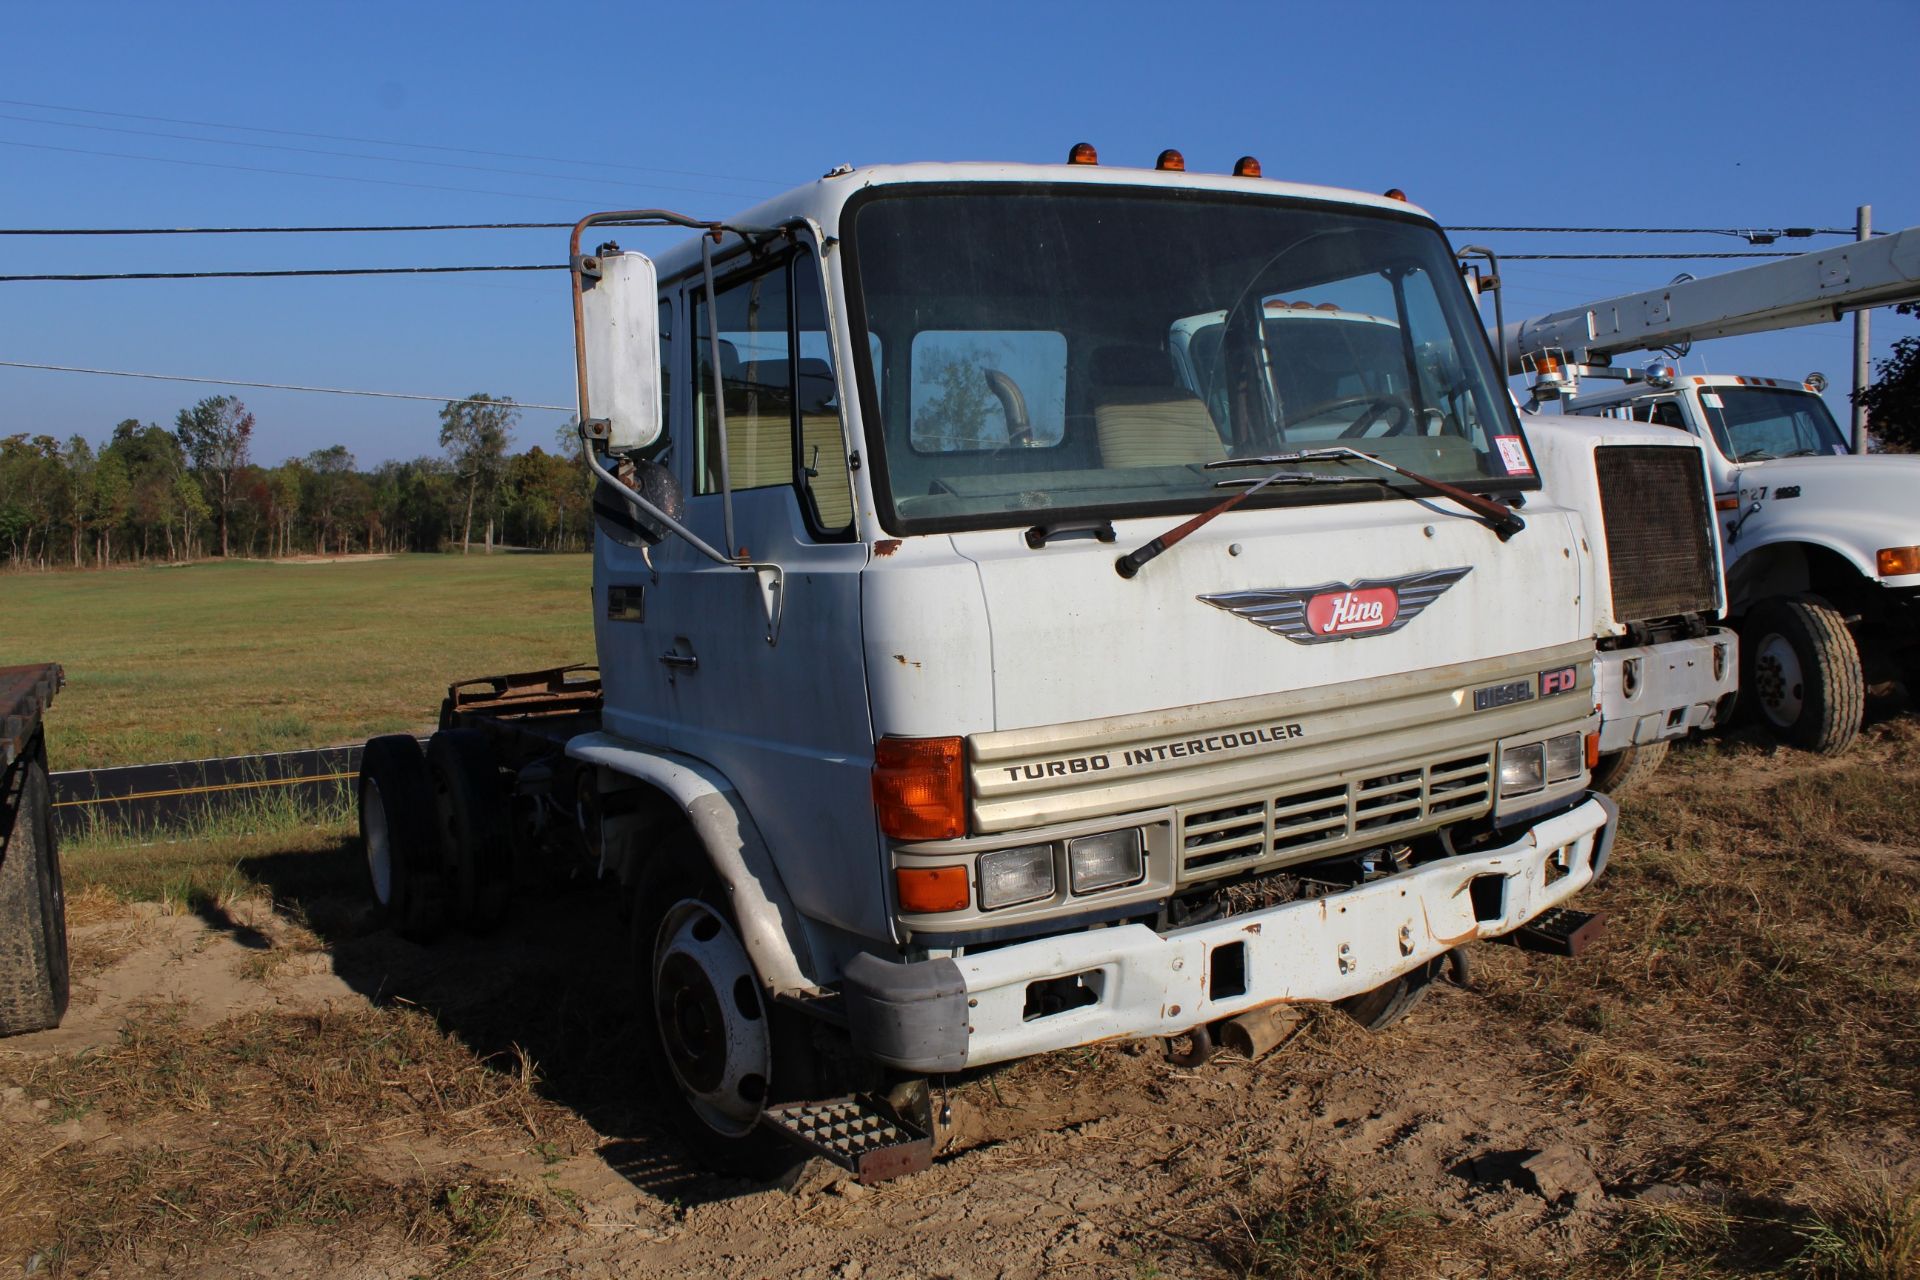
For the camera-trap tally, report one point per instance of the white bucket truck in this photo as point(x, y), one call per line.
point(1821, 549)
point(989, 670)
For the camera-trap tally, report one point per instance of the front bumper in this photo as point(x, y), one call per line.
point(946, 1014)
point(1663, 691)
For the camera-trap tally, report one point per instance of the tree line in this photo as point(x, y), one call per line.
point(150, 493)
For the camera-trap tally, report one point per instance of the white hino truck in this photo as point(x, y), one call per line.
point(1014, 634)
point(1821, 547)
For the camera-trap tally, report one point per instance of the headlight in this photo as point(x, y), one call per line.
point(1523, 769)
point(1009, 877)
point(1566, 756)
point(1104, 861)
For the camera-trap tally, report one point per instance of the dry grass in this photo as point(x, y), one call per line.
point(180, 1141)
point(1752, 1025)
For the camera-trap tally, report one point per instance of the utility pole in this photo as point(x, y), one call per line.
point(1863, 229)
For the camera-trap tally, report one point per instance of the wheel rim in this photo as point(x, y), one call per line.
point(378, 839)
point(1778, 682)
point(712, 1024)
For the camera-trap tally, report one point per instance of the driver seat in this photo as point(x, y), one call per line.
point(1144, 417)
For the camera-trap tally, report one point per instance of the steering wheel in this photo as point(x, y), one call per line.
point(1376, 402)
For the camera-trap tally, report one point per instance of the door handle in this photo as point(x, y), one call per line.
point(680, 661)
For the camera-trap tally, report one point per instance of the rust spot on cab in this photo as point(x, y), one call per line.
point(886, 546)
point(904, 660)
point(1252, 928)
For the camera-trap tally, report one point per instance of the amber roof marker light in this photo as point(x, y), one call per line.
point(1246, 167)
point(1395, 193)
point(1083, 153)
point(1171, 160)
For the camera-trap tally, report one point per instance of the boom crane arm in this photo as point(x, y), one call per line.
point(1805, 289)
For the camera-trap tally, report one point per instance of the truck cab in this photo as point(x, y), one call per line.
point(1017, 632)
point(1821, 547)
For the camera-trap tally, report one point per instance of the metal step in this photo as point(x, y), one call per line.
point(1559, 932)
point(857, 1133)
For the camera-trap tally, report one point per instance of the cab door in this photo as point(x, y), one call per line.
point(784, 717)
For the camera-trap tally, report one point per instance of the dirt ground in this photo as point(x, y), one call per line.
point(1726, 1084)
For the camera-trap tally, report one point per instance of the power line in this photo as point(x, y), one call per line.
point(386, 142)
point(274, 275)
point(361, 155)
point(1638, 257)
point(254, 231)
point(331, 177)
point(273, 386)
point(1792, 233)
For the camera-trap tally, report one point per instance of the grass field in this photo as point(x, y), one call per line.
point(172, 663)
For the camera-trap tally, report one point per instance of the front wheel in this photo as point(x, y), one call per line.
point(721, 1050)
point(1802, 675)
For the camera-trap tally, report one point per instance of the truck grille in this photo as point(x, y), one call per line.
point(1320, 817)
point(1654, 501)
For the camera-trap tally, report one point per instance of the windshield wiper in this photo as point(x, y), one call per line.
point(1755, 455)
point(1497, 516)
point(1128, 565)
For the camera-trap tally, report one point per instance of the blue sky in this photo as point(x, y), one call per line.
point(1708, 114)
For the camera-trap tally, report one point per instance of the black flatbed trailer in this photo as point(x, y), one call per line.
point(33, 919)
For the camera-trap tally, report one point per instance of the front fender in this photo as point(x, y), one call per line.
point(763, 910)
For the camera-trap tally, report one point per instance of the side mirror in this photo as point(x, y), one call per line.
point(619, 338)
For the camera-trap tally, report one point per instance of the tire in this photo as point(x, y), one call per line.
point(399, 837)
point(475, 827)
point(719, 1051)
point(1621, 771)
point(1800, 674)
point(1380, 1008)
point(34, 978)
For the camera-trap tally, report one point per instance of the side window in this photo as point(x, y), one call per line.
point(825, 485)
point(954, 407)
point(754, 371)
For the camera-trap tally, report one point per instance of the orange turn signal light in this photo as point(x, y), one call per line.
point(1897, 561)
point(924, 890)
point(1726, 504)
point(920, 788)
point(1593, 751)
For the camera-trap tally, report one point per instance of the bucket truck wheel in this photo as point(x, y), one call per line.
point(397, 832)
point(475, 827)
point(722, 1051)
point(1803, 674)
point(1380, 1008)
point(1621, 771)
point(33, 915)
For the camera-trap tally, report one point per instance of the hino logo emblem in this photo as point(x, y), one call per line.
point(1339, 610)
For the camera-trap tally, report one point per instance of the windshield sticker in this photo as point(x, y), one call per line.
point(1514, 455)
point(1710, 400)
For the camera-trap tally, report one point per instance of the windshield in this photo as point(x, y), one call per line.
point(1751, 424)
point(1077, 351)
